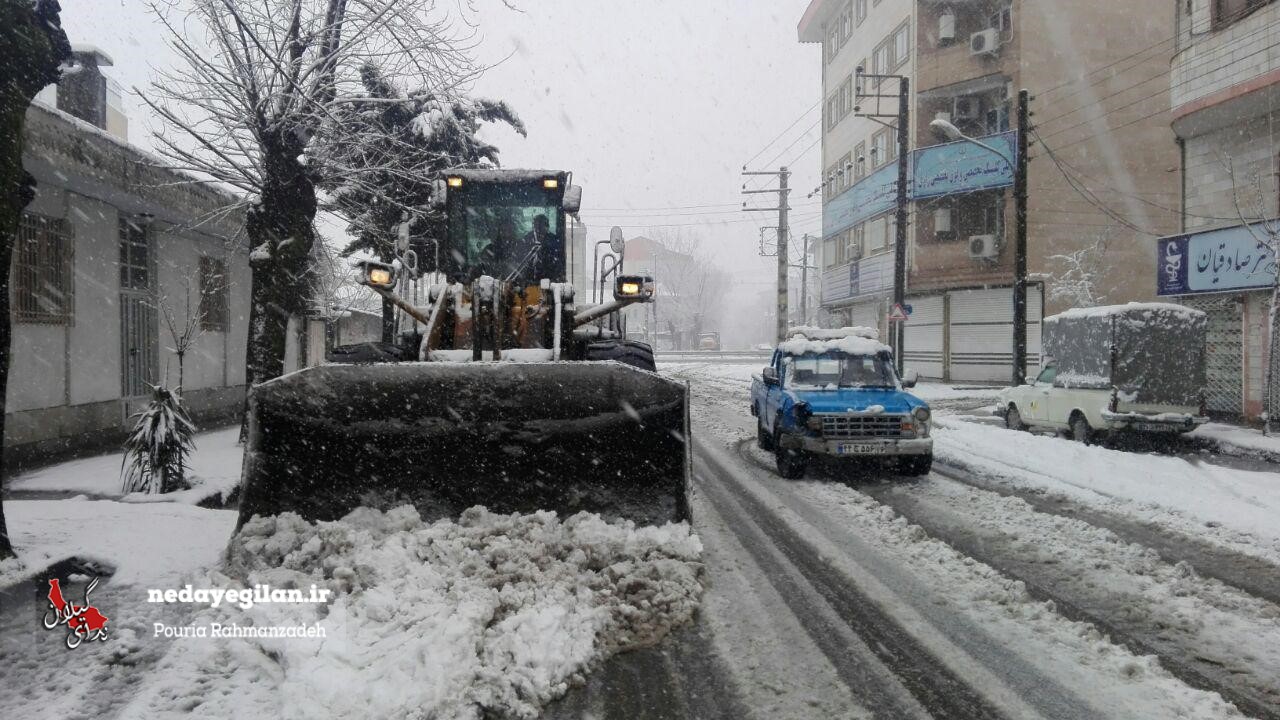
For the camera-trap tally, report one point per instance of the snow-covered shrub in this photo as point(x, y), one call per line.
point(155, 453)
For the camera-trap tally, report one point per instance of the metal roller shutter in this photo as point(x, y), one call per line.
point(922, 344)
point(1224, 358)
point(981, 333)
point(865, 315)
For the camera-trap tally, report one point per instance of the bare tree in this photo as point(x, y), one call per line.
point(184, 330)
point(261, 78)
point(694, 284)
point(1265, 231)
point(33, 49)
point(1074, 278)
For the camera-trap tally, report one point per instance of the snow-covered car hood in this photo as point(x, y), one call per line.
point(841, 400)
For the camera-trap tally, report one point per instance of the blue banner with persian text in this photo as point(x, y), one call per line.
point(1223, 260)
point(954, 167)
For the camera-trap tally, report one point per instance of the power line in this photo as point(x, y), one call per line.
point(1085, 193)
point(784, 132)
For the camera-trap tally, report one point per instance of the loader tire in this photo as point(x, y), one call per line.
point(635, 354)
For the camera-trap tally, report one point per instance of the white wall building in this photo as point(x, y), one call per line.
point(110, 244)
point(856, 265)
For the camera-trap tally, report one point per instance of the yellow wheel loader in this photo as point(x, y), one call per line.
point(505, 390)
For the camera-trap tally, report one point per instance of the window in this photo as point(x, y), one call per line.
point(879, 148)
point(833, 43)
point(902, 44)
point(846, 24)
point(893, 144)
point(880, 59)
point(1047, 375)
point(43, 272)
point(213, 294)
point(1226, 12)
point(875, 234)
point(829, 252)
point(846, 97)
point(859, 161)
point(833, 111)
point(856, 240)
point(844, 170)
point(135, 255)
point(861, 10)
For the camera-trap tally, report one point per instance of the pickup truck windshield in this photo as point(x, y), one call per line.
point(838, 369)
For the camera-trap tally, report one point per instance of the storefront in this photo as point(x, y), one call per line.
point(1227, 273)
point(967, 335)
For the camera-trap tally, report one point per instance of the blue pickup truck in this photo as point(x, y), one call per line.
point(836, 393)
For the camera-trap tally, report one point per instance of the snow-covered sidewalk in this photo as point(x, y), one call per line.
point(1238, 440)
point(213, 470)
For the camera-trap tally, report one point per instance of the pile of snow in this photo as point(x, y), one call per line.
point(850, 345)
point(491, 615)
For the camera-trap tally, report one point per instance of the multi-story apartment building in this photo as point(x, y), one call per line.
point(855, 256)
point(1225, 96)
point(1101, 179)
point(1101, 184)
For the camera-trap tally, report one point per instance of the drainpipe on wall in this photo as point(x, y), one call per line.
point(1182, 181)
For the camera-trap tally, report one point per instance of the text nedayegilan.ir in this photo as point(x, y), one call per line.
point(244, 597)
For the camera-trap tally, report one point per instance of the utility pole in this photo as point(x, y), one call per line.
point(1020, 242)
point(902, 117)
point(783, 174)
point(804, 281)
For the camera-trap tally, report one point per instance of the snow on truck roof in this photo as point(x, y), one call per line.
point(1128, 309)
point(850, 340)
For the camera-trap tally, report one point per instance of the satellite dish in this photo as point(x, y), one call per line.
point(616, 243)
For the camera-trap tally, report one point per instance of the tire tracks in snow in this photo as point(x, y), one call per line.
point(801, 575)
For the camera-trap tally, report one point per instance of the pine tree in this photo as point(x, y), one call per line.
point(387, 149)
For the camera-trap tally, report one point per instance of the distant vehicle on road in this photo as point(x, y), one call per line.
point(1136, 368)
point(709, 341)
point(836, 393)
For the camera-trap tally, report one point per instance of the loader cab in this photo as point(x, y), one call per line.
point(506, 224)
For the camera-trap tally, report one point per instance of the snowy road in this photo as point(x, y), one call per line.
point(954, 596)
point(1027, 577)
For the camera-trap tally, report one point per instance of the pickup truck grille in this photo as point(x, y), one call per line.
point(862, 426)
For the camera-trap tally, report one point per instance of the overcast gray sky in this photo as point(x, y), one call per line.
point(653, 105)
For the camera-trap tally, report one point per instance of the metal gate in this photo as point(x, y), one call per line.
point(138, 344)
point(1224, 352)
point(922, 345)
point(980, 333)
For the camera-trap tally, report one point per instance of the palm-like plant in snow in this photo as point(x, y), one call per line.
point(155, 454)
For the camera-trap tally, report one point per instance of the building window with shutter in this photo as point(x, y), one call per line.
point(213, 294)
point(44, 272)
point(1226, 12)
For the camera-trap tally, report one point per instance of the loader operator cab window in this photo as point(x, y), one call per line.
point(506, 232)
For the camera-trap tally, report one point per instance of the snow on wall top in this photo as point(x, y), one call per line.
point(1126, 309)
point(815, 333)
point(850, 345)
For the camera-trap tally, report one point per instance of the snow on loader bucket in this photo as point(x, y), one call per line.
point(515, 437)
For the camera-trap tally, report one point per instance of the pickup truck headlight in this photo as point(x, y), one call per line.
point(921, 414)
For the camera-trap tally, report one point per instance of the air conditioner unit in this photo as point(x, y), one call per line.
point(966, 107)
point(983, 247)
point(942, 220)
point(986, 42)
point(854, 252)
point(946, 26)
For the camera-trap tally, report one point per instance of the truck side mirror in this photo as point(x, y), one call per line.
point(770, 375)
point(910, 377)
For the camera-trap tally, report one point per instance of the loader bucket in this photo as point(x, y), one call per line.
point(515, 437)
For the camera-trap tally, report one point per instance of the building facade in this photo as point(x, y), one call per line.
point(1102, 181)
point(112, 248)
point(1225, 96)
point(855, 255)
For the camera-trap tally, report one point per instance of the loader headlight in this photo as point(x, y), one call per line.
point(550, 183)
point(378, 275)
point(633, 286)
point(454, 182)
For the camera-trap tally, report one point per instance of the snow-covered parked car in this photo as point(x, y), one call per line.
point(1137, 368)
point(836, 393)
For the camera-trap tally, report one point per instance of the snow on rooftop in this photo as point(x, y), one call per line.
point(816, 333)
point(850, 345)
point(503, 174)
point(1126, 309)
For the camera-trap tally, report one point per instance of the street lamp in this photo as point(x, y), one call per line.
point(1019, 170)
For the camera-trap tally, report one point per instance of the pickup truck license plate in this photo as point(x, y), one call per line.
point(860, 449)
point(1153, 427)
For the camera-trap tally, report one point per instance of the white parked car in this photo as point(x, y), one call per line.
point(1122, 368)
